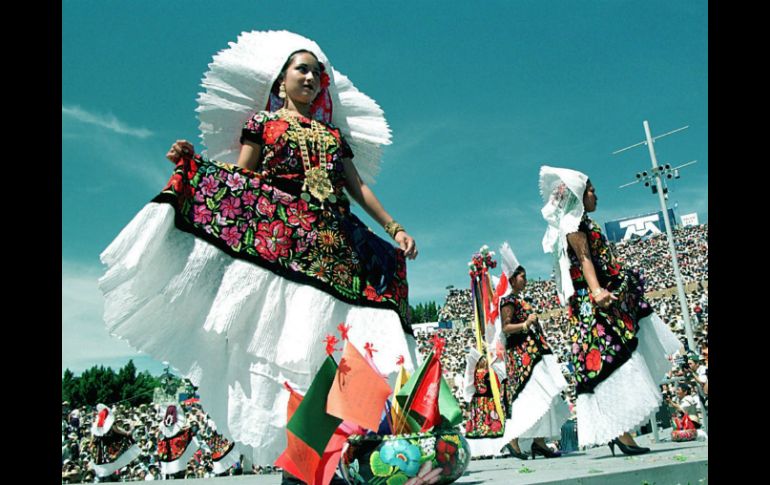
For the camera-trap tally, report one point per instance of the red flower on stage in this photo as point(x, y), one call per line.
point(594, 360)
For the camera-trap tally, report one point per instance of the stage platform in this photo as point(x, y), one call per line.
point(668, 463)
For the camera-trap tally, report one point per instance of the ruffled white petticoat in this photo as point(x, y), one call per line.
point(627, 398)
point(237, 331)
point(180, 464)
point(538, 411)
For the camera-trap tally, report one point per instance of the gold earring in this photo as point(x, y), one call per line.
point(282, 91)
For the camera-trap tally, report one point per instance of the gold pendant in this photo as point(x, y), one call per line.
point(318, 183)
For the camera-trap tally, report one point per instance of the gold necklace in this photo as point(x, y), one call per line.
point(316, 178)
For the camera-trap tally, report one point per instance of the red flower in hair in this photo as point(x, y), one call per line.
point(324, 80)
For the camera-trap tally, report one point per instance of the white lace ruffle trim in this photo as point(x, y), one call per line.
point(628, 397)
point(236, 330)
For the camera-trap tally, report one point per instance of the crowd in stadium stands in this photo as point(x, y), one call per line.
point(142, 422)
point(649, 254)
point(652, 256)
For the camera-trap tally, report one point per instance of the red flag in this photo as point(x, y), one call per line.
point(301, 460)
point(298, 458)
point(502, 287)
point(425, 402)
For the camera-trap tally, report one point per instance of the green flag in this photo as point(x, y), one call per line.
point(449, 408)
point(310, 422)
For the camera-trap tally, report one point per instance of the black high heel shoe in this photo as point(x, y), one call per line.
point(627, 449)
point(546, 452)
point(511, 451)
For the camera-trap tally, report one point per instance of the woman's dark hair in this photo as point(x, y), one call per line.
point(282, 74)
point(519, 270)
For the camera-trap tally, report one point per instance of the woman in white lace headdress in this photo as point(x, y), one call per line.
point(619, 346)
point(251, 255)
point(536, 409)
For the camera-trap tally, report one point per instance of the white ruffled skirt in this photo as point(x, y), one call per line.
point(627, 398)
point(237, 331)
point(539, 410)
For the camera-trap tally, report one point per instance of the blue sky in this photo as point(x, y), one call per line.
point(478, 95)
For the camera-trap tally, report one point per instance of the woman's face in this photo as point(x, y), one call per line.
point(589, 197)
point(302, 80)
point(519, 282)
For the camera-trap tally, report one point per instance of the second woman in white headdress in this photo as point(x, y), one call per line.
point(536, 407)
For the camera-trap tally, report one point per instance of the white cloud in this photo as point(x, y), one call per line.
point(109, 122)
point(85, 340)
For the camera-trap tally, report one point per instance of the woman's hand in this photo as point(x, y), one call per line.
point(530, 321)
point(406, 242)
point(605, 298)
point(181, 147)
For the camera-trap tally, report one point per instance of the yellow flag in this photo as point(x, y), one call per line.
point(395, 409)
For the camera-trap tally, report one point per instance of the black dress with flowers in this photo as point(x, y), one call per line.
point(524, 350)
point(260, 216)
point(483, 420)
point(601, 340)
point(109, 447)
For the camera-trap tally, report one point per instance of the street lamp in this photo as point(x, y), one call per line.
point(655, 179)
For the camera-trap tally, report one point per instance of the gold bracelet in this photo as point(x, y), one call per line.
point(597, 291)
point(393, 228)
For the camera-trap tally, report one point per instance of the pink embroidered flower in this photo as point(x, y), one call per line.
point(235, 181)
point(265, 208)
point(273, 240)
point(209, 186)
point(231, 236)
point(284, 197)
point(231, 207)
point(299, 215)
point(249, 198)
point(201, 214)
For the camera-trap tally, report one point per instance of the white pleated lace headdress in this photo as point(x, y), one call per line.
point(509, 261)
point(562, 191)
point(238, 84)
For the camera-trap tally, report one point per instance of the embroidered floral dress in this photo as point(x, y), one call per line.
point(601, 340)
point(260, 216)
point(523, 350)
point(108, 448)
point(173, 448)
point(483, 420)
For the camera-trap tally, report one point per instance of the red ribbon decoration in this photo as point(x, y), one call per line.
point(331, 341)
point(438, 345)
point(343, 330)
point(400, 360)
point(369, 349)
